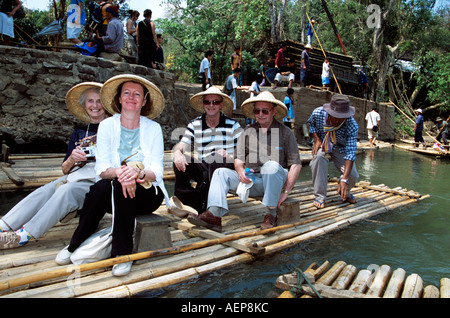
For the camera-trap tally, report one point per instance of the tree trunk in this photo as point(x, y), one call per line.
point(383, 53)
point(276, 19)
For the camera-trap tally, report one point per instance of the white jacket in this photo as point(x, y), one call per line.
point(151, 141)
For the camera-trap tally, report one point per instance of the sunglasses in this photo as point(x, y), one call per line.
point(264, 111)
point(214, 102)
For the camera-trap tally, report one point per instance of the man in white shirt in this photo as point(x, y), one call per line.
point(326, 74)
point(373, 125)
point(205, 70)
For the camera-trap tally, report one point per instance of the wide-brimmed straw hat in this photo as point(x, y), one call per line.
point(197, 100)
point(339, 107)
point(266, 96)
point(110, 90)
point(73, 99)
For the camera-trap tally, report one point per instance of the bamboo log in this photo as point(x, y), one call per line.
point(345, 277)
point(413, 287)
point(330, 276)
point(431, 292)
point(445, 288)
point(379, 282)
point(361, 282)
point(395, 285)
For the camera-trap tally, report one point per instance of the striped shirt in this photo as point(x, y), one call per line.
point(205, 140)
point(346, 136)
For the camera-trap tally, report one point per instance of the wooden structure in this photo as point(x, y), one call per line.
point(344, 281)
point(30, 271)
point(342, 64)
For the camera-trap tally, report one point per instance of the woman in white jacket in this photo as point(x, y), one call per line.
point(130, 153)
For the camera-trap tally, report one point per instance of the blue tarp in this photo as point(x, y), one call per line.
point(56, 27)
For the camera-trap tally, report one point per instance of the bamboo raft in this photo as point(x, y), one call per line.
point(344, 281)
point(30, 271)
point(31, 171)
point(425, 151)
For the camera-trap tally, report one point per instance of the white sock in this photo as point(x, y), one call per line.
point(24, 235)
point(3, 226)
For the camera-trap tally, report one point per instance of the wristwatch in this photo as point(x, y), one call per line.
point(344, 180)
point(285, 191)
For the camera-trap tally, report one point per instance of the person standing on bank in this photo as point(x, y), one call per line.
point(214, 137)
point(269, 149)
point(204, 72)
point(304, 70)
point(373, 125)
point(335, 132)
point(76, 19)
point(129, 166)
point(7, 10)
point(418, 129)
point(43, 208)
point(146, 40)
point(326, 74)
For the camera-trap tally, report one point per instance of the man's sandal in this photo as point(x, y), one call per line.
point(350, 199)
point(321, 204)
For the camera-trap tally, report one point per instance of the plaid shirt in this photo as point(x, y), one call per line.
point(346, 141)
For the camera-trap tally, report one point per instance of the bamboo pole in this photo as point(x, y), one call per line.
point(318, 40)
point(414, 123)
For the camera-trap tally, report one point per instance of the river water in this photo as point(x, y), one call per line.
point(415, 238)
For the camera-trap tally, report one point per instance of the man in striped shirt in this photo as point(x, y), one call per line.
point(210, 139)
point(334, 131)
point(269, 150)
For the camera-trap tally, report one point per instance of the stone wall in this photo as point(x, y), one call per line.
point(306, 100)
point(33, 85)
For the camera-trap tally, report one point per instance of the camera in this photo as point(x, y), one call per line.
point(89, 151)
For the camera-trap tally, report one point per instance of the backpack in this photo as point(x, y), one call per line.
point(95, 15)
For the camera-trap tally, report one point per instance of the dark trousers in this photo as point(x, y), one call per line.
point(201, 173)
point(418, 136)
point(98, 202)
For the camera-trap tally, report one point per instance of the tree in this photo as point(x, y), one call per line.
point(217, 25)
point(276, 11)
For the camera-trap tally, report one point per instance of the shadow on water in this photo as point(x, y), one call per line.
point(415, 238)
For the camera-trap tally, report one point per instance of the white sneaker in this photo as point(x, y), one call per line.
point(63, 257)
point(121, 269)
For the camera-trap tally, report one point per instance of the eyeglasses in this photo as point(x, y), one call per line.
point(264, 111)
point(214, 102)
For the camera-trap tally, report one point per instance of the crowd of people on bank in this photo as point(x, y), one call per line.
point(105, 32)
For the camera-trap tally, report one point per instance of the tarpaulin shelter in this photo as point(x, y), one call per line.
point(56, 27)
